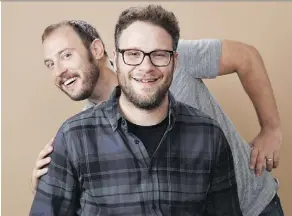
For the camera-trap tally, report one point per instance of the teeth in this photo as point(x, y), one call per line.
point(146, 81)
point(69, 81)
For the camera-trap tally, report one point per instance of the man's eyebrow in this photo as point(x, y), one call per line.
point(59, 52)
point(132, 48)
point(140, 49)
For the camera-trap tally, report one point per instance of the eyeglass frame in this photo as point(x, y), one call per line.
point(171, 53)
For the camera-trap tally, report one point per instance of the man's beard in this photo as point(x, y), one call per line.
point(146, 103)
point(90, 78)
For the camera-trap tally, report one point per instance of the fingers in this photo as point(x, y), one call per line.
point(276, 159)
point(259, 161)
point(46, 150)
point(42, 162)
point(260, 164)
point(40, 173)
point(35, 176)
point(253, 159)
point(270, 162)
point(50, 143)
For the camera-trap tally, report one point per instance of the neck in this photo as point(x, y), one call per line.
point(143, 117)
point(106, 83)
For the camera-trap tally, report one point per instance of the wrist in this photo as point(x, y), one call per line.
point(276, 130)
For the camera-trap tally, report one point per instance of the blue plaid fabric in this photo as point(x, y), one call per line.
point(98, 168)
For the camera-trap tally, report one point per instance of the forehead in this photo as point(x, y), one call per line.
point(145, 36)
point(60, 39)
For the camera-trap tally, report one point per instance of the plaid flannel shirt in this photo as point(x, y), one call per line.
point(98, 168)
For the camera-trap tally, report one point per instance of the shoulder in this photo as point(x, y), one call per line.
point(70, 137)
point(188, 114)
point(198, 45)
point(86, 118)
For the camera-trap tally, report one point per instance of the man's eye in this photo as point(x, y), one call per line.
point(50, 65)
point(66, 55)
point(133, 53)
point(160, 54)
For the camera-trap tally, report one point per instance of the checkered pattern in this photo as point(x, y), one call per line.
point(98, 168)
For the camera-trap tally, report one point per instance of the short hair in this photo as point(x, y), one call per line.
point(154, 14)
point(86, 32)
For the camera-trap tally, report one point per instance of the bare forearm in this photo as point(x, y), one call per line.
point(257, 85)
point(246, 61)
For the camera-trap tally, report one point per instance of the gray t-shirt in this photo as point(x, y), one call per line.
point(199, 59)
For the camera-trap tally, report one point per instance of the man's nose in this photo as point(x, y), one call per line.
point(146, 65)
point(60, 69)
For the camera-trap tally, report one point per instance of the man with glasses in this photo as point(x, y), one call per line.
point(141, 152)
point(81, 69)
point(158, 58)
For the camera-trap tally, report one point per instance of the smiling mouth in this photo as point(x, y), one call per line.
point(69, 81)
point(146, 80)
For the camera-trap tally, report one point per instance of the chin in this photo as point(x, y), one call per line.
point(80, 95)
point(147, 105)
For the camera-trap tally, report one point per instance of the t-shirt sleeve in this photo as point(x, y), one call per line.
point(200, 57)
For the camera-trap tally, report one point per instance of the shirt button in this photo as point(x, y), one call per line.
point(137, 141)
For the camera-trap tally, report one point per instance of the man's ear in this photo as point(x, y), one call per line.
point(97, 49)
point(115, 54)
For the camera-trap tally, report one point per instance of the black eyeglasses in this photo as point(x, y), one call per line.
point(134, 57)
